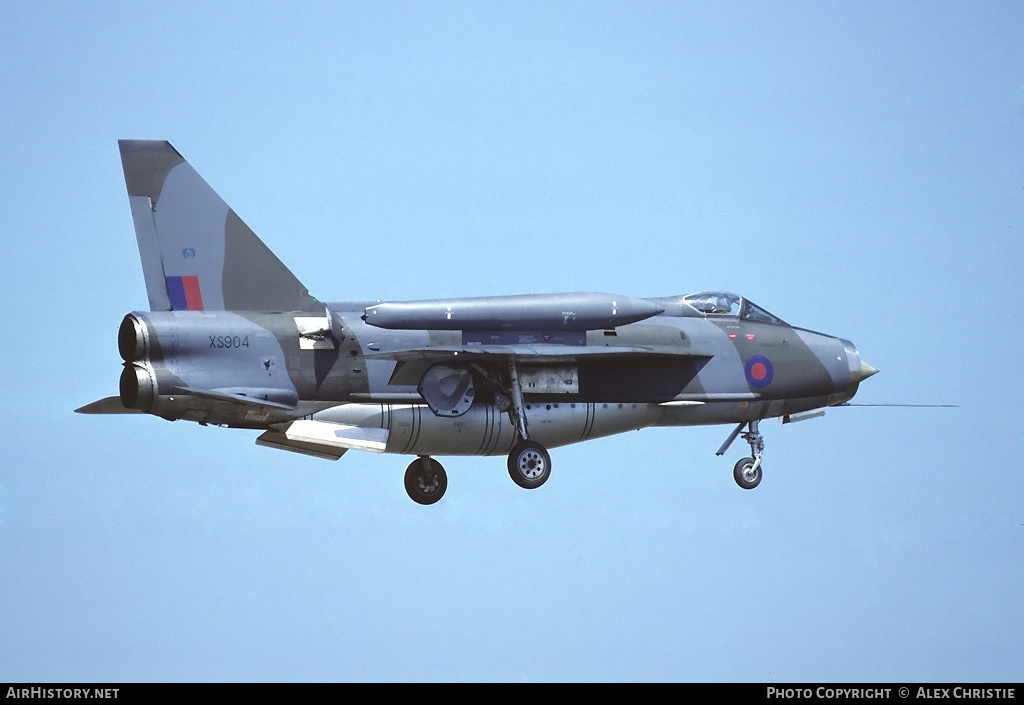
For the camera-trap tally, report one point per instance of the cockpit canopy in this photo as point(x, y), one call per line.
point(724, 303)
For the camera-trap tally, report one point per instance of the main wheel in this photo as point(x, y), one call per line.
point(529, 464)
point(425, 480)
point(745, 475)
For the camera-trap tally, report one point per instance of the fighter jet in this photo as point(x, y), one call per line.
point(233, 338)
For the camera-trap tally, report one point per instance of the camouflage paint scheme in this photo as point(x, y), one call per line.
point(233, 338)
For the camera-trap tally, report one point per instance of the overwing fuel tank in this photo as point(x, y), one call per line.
point(580, 311)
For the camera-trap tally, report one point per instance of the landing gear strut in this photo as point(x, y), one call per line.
point(746, 472)
point(425, 480)
point(529, 464)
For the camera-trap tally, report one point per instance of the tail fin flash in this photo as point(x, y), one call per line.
point(196, 253)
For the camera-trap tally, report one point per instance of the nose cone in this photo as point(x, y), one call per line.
point(858, 371)
point(866, 371)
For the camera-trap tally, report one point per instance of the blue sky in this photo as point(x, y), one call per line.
point(853, 168)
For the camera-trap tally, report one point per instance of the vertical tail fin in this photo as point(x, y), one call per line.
point(196, 253)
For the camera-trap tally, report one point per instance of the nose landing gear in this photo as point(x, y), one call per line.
point(746, 472)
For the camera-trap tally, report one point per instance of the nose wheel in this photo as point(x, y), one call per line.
point(746, 472)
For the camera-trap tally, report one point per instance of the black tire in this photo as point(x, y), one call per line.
point(529, 464)
point(744, 478)
point(425, 486)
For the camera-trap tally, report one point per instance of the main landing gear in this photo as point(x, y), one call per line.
point(746, 472)
point(529, 464)
point(425, 480)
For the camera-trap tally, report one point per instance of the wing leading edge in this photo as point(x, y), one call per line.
point(537, 353)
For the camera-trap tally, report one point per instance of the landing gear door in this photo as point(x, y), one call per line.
point(448, 390)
